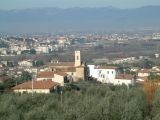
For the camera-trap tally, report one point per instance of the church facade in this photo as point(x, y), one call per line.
point(75, 70)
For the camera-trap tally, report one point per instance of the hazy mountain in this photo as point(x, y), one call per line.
point(79, 19)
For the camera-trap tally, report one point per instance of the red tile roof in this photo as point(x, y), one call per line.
point(62, 64)
point(37, 85)
point(68, 69)
point(125, 76)
point(61, 73)
point(50, 74)
point(46, 74)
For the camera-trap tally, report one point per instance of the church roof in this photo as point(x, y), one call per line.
point(61, 73)
point(62, 64)
point(45, 74)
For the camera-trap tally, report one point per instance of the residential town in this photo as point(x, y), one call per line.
point(45, 44)
point(79, 60)
point(23, 53)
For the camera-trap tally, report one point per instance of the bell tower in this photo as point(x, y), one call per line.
point(77, 58)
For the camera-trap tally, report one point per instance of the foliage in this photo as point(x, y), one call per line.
point(1, 87)
point(70, 86)
point(3, 44)
point(92, 102)
point(25, 52)
point(38, 63)
point(10, 64)
point(156, 106)
point(153, 76)
point(32, 51)
point(9, 84)
point(25, 76)
point(78, 41)
point(147, 64)
point(150, 88)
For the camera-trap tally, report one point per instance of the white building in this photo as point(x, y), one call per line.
point(108, 74)
point(3, 51)
point(26, 63)
point(62, 40)
point(31, 70)
point(156, 36)
point(156, 55)
point(143, 73)
point(124, 79)
point(42, 49)
point(124, 60)
point(103, 74)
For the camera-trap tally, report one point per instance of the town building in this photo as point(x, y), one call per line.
point(109, 74)
point(36, 87)
point(42, 49)
point(143, 73)
point(76, 70)
point(60, 77)
point(156, 55)
point(26, 63)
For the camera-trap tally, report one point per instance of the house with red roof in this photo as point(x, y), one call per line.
point(36, 87)
point(58, 77)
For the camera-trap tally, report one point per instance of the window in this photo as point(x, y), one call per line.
point(77, 58)
point(102, 76)
point(66, 80)
point(112, 72)
point(99, 73)
point(107, 72)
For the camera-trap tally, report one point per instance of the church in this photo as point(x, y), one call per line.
point(74, 70)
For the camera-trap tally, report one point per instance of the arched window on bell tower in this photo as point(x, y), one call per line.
point(77, 58)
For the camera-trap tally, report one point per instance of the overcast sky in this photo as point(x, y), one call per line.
point(22, 4)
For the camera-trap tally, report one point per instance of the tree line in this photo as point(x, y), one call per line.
point(92, 102)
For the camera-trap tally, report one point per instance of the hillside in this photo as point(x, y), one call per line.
point(79, 19)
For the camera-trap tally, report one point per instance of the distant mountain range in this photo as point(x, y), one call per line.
point(79, 19)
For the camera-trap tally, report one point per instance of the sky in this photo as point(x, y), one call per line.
point(23, 4)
